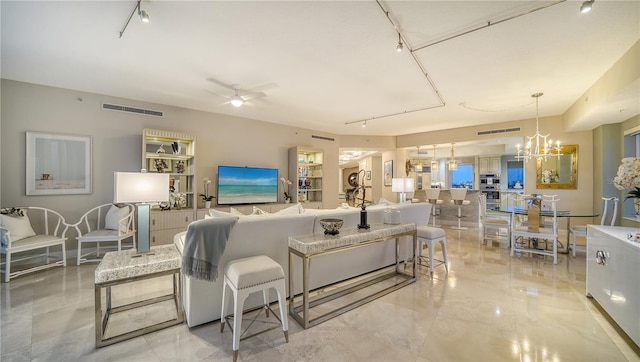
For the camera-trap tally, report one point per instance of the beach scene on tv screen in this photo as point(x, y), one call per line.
point(246, 185)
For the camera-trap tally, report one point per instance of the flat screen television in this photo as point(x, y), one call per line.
point(247, 185)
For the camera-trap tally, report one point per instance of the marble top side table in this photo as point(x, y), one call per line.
point(120, 267)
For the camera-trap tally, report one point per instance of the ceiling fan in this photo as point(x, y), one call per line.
point(240, 96)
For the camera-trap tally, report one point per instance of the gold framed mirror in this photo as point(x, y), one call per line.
point(558, 171)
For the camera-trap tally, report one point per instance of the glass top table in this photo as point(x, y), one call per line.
point(566, 214)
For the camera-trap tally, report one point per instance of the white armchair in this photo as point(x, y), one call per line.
point(27, 229)
point(105, 223)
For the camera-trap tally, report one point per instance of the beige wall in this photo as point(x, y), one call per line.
point(223, 139)
point(579, 199)
point(117, 141)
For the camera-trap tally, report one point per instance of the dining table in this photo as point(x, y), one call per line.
point(561, 214)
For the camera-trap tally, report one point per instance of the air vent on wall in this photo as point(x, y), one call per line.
point(119, 108)
point(496, 131)
point(323, 138)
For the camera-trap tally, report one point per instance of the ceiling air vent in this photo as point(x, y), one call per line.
point(119, 108)
point(497, 131)
point(323, 138)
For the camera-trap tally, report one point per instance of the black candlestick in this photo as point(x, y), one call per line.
point(363, 218)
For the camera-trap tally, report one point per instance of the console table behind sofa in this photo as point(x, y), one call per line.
point(268, 235)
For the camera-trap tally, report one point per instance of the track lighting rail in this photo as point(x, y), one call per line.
point(143, 16)
point(402, 44)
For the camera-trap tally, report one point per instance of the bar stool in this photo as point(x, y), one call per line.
point(430, 235)
point(246, 276)
point(432, 195)
point(458, 198)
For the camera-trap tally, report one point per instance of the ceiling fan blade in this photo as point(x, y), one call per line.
point(226, 99)
point(216, 94)
point(254, 95)
point(263, 87)
point(220, 83)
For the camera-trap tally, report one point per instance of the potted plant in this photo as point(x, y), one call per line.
point(206, 197)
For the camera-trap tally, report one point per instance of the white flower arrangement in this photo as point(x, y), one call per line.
point(549, 176)
point(628, 176)
point(285, 185)
point(206, 197)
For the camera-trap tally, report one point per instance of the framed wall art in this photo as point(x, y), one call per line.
point(388, 172)
point(58, 164)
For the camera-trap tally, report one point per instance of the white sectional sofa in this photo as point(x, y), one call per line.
point(268, 234)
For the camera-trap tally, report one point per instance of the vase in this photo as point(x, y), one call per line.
point(286, 201)
point(207, 204)
point(636, 205)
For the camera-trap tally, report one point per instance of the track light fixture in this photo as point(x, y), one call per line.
point(586, 6)
point(364, 124)
point(400, 45)
point(141, 13)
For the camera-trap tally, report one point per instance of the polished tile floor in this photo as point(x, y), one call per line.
point(489, 307)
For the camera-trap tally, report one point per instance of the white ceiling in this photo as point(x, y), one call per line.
point(332, 62)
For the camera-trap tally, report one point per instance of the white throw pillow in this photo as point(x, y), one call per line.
point(384, 201)
point(19, 226)
point(258, 211)
point(216, 213)
point(291, 210)
point(234, 211)
point(113, 217)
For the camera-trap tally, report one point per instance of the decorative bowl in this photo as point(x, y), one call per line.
point(331, 226)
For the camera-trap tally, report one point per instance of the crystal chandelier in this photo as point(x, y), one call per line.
point(543, 148)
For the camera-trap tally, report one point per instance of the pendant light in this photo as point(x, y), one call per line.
point(453, 164)
point(434, 162)
point(542, 148)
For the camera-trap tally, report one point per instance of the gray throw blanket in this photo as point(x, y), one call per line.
point(204, 245)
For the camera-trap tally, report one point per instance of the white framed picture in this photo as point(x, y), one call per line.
point(58, 164)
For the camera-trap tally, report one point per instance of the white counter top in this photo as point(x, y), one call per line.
point(619, 232)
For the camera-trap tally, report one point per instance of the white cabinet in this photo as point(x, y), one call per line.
point(306, 174)
point(172, 153)
point(612, 275)
point(489, 165)
point(163, 225)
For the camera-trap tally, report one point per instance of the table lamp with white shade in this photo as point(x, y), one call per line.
point(402, 185)
point(141, 188)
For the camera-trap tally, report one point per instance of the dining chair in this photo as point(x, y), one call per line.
point(107, 223)
point(492, 222)
point(528, 238)
point(581, 230)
